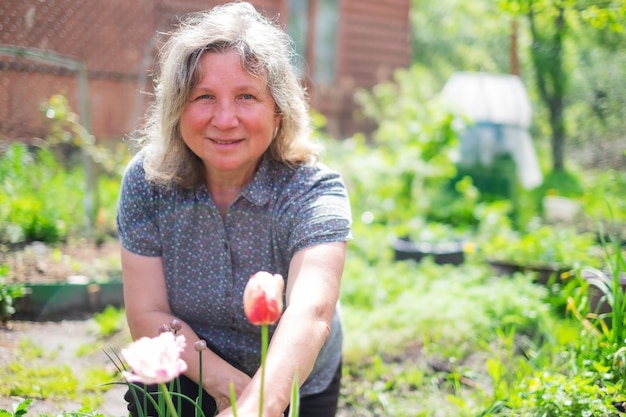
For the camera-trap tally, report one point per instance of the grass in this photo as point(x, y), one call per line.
point(44, 371)
point(422, 341)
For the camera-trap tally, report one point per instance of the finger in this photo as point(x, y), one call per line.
point(222, 404)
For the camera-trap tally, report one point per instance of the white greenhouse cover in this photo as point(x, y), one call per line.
point(500, 110)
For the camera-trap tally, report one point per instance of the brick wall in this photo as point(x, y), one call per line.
point(111, 38)
point(374, 39)
point(115, 39)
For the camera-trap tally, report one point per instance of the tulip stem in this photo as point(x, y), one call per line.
point(264, 342)
point(168, 400)
point(200, 388)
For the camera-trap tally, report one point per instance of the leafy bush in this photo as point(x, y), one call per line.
point(538, 245)
point(42, 200)
point(9, 292)
point(603, 200)
point(402, 175)
point(561, 395)
point(110, 321)
point(30, 196)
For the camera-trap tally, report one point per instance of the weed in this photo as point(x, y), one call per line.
point(9, 292)
point(110, 321)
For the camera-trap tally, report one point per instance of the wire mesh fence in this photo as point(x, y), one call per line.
point(98, 54)
point(95, 53)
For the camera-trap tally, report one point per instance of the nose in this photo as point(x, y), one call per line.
point(224, 115)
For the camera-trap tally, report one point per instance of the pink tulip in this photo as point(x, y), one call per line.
point(263, 298)
point(155, 360)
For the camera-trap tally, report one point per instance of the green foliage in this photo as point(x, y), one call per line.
point(447, 38)
point(48, 380)
point(545, 245)
point(110, 321)
point(390, 304)
point(606, 304)
point(24, 379)
point(66, 129)
point(31, 184)
point(537, 245)
point(30, 207)
point(562, 395)
point(563, 183)
point(560, 51)
point(457, 313)
point(32, 179)
point(602, 199)
point(414, 144)
point(594, 115)
point(9, 292)
point(407, 175)
point(20, 409)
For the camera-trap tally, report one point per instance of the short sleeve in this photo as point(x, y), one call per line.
point(137, 223)
point(318, 210)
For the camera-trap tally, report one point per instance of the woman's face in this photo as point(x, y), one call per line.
point(229, 120)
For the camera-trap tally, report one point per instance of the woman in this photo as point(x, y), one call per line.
point(226, 185)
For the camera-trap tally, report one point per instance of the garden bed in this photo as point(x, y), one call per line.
point(64, 279)
point(442, 252)
point(542, 273)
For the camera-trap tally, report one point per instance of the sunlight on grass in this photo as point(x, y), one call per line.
point(448, 306)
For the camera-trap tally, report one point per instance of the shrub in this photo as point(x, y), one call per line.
point(8, 293)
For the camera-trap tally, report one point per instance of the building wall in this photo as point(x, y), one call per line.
point(116, 40)
point(111, 39)
point(374, 39)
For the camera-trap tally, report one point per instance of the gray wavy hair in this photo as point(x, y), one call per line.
point(265, 50)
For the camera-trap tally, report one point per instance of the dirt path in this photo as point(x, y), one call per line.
point(61, 341)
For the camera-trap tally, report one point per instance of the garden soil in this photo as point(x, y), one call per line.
point(73, 341)
point(39, 263)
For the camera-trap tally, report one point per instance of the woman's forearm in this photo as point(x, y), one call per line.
point(293, 351)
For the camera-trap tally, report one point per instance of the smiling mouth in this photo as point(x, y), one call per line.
point(225, 142)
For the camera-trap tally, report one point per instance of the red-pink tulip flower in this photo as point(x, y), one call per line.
point(263, 298)
point(263, 305)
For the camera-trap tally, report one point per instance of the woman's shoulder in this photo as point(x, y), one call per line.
point(136, 178)
point(307, 173)
point(135, 164)
point(294, 183)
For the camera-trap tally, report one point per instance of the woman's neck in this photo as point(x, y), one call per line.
point(224, 191)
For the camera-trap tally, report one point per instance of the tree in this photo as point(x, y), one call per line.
point(459, 35)
point(551, 23)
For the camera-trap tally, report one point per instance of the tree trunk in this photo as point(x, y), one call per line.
point(558, 135)
point(547, 56)
point(514, 56)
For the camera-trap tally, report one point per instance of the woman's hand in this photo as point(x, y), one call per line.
point(220, 391)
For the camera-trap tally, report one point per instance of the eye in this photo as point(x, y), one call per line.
point(247, 96)
point(203, 97)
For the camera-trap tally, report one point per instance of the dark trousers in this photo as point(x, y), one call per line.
point(323, 404)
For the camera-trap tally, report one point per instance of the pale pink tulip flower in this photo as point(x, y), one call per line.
point(155, 360)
